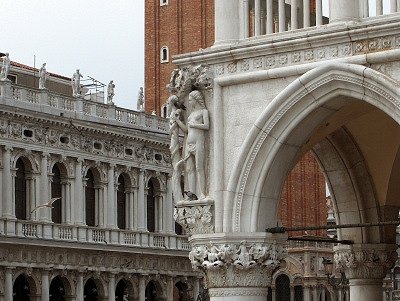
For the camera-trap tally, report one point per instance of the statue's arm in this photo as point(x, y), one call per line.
point(206, 122)
point(182, 126)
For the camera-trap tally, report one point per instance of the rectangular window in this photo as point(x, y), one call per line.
point(163, 2)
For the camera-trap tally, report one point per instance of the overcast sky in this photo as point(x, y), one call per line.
point(104, 39)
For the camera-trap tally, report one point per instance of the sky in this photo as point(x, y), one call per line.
point(102, 38)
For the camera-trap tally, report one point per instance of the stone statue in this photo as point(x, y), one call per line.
point(140, 100)
point(43, 77)
point(76, 84)
point(175, 114)
point(195, 154)
point(5, 68)
point(110, 92)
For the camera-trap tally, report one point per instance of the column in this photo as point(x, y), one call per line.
point(306, 13)
point(79, 288)
point(45, 286)
point(8, 285)
point(343, 10)
point(111, 287)
point(379, 7)
point(364, 9)
point(291, 293)
point(7, 183)
point(393, 6)
point(142, 287)
point(141, 203)
point(307, 293)
point(270, 16)
point(196, 287)
point(246, 266)
point(246, 20)
point(365, 266)
point(257, 17)
point(227, 21)
point(135, 207)
point(130, 216)
point(44, 213)
point(169, 207)
point(111, 199)
point(293, 14)
point(314, 292)
point(170, 289)
point(282, 16)
point(79, 201)
point(318, 12)
point(273, 292)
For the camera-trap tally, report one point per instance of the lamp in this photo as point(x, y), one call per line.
point(328, 268)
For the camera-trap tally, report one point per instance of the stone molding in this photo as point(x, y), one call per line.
point(364, 261)
point(196, 217)
point(237, 264)
point(237, 291)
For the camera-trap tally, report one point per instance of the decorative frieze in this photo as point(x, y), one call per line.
point(365, 261)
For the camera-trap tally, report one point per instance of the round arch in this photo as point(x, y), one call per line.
point(292, 124)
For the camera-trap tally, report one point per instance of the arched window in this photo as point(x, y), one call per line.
point(20, 191)
point(90, 291)
point(164, 54)
point(163, 2)
point(121, 203)
point(90, 199)
point(282, 288)
point(151, 218)
point(57, 290)
point(151, 291)
point(21, 289)
point(56, 188)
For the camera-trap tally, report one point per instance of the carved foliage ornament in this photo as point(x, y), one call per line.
point(230, 265)
point(195, 219)
point(365, 264)
point(186, 79)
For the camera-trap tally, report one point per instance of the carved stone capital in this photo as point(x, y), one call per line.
point(230, 263)
point(196, 217)
point(365, 261)
point(184, 79)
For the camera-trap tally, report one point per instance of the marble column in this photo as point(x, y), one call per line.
point(343, 10)
point(273, 292)
point(44, 213)
point(111, 287)
point(306, 293)
point(227, 21)
point(314, 289)
point(142, 287)
point(79, 288)
point(141, 203)
point(169, 224)
point(170, 289)
point(79, 199)
point(365, 265)
point(8, 285)
point(291, 293)
point(135, 207)
point(239, 266)
point(45, 285)
point(7, 182)
point(111, 199)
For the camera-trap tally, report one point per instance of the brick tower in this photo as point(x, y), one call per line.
point(179, 26)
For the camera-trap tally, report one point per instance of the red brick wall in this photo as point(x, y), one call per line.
point(303, 200)
point(183, 26)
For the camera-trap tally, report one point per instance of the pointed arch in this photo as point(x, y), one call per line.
point(286, 129)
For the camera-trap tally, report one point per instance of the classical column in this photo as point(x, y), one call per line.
point(314, 292)
point(257, 17)
point(45, 285)
point(111, 199)
point(307, 293)
point(246, 19)
point(379, 7)
point(7, 182)
point(318, 12)
point(365, 266)
point(142, 287)
point(343, 10)
point(239, 266)
point(168, 207)
point(129, 192)
point(393, 6)
point(293, 15)
point(291, 293)
point(8, 284)
point(111, 287)
point(44, 213)
point(79, 288)
point(141, 203)
point(170, 288)
point(306, 14)
point(135, 207)
point(270, 16)
point(79, 199)
point(273, 292)
point(227, 21)
point(282, 16)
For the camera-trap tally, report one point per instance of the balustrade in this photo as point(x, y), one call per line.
point(128, 238)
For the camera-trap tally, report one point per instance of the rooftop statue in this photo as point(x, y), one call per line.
point(140, 100)
point(76, 84)
point(43, 74)
point(5, 68)
point(110, 92)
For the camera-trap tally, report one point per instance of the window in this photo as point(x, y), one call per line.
point(121, 203)
point(163, 2)
point(90, 199)
point(164, 54)
point(56, 188)
point(20, 191)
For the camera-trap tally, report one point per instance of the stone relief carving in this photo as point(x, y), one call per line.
point(237, 264)
point(364, 263)
point(195, 217)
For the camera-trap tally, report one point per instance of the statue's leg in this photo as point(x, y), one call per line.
point(191, 174)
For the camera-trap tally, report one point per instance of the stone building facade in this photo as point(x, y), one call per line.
point(86, 204)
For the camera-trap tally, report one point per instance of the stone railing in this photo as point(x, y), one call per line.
point(295, 244)
point(77, 108)
point(92, 235)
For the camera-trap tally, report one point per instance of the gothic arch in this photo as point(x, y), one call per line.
point(32, 278)
point(65, 173)
point(100, 284)
point(284, 131)
point(67, 282)
point(30, 161)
